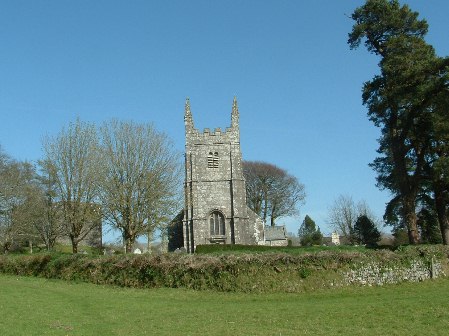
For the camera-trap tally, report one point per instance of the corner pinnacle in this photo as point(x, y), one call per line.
point(187, 107)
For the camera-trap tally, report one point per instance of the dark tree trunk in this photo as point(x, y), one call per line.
point(129, 239)
point(74, 245)
point(128, 245)
point(265, 207)
point(409, 215)
point(443, 219)
point(272, 217)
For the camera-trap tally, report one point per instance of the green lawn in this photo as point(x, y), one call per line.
point(33, 306)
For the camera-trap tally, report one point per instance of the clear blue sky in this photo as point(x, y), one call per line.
point(298, 84)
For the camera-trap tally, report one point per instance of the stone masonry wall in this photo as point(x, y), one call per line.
point(377, 274)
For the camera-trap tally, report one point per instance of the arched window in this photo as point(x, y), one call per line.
point(212, 160)
point(217, 224)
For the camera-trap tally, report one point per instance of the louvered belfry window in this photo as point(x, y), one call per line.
point(212, 160)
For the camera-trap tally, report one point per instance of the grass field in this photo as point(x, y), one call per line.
point(34, 306)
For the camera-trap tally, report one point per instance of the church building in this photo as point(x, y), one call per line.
point(215, 210)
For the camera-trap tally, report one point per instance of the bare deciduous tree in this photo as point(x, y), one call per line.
point(139, 189)
point(15, 179)
point(74, 156)
point(47, 218)
point(271, 191)
point(343, 215)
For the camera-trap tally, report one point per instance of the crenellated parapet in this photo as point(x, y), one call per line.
point(229, 135)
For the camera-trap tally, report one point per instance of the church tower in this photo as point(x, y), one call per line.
point(215, 210)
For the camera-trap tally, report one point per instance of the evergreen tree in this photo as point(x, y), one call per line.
point(428, 226)
point(309, 233)
point(406, 100)
point(365, 231)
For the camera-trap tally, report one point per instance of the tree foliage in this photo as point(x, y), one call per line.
point(365, 231)
point(16, 182)
point(140, 183)
point(47, 218)
point(271, 192)
point(438, 167)
point(405, 101)
point(73, 156)
point(131, 179)
point(428, 226)
point(309, 233)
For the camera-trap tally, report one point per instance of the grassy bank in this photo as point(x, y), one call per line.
point(240, 272)
point(35, 306)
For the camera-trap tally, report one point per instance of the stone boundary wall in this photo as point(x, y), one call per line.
point(376, 274)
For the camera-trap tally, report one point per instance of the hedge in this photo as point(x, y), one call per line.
point(245, 272)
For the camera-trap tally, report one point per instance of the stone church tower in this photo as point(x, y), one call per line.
point(215, 210)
